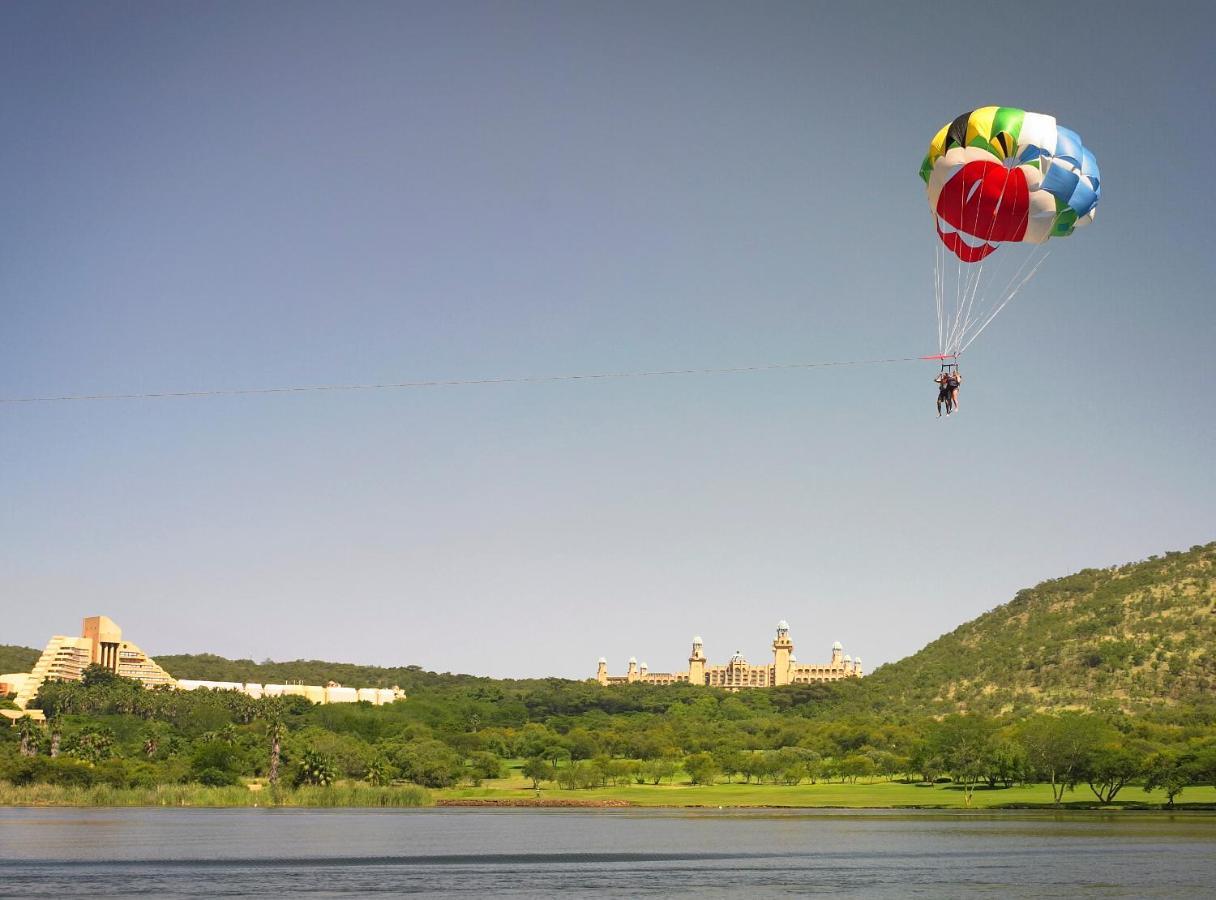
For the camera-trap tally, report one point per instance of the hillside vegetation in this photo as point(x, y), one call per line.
point(209, 667)
point(17, 659)
point(1130, 637)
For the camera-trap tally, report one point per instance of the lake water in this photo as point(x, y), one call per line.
point(620, 853)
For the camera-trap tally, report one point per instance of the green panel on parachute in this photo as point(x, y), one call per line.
point(1009, 120)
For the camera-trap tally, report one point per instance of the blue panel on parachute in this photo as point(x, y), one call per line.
point(1069, 146)
point(1089, 168)
point(1060, 181)
point(1083, 198)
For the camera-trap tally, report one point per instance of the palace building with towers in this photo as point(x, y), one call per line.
point(739, 673)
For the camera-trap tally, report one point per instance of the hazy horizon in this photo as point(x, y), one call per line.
point(223, 196)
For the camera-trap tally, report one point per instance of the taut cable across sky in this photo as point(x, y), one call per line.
point(523, 379)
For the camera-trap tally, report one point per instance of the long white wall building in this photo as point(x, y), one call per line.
point(100, 642)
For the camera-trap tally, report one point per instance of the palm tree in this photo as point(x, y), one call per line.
point(29, 744)
point(276, 728)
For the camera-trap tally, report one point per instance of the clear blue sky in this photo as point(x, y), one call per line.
point(227, 195)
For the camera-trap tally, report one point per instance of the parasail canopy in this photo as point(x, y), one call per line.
point(997, 176)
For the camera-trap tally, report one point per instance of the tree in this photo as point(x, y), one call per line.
point(28, 736)
point(155, 735)
point(578, 775)
point(213, 777)
point(965, 745)
point(656, 770)
point(615, 770)
point(1059, 746)
point(927, 761)
point(430, 763)
point(1170, 772)
point(482, 765)
point(380, 771)
point(1205, 765)
point(790, 765)
point(532, 740)
point(583, 743)
point(276, 730)
point(210, 758)
point(855, 766)
point(751, 765)
point(93, 743)
point(56, 735)
point(1109, 769)
point(315, 769)
point(701, 768)
point(97, 675)
point(730, 760)
point(1009, 765)
point(887, 763)
point(539, 769)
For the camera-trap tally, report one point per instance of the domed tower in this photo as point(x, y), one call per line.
point(601, 671)
point(643, 670)
point(632, 674)
point(857, 666)
point(837, 653)
point(696, 662)
point(783, 648)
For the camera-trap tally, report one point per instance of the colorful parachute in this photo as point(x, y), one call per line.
point(1000, 175)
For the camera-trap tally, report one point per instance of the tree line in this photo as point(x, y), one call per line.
point(110, 730)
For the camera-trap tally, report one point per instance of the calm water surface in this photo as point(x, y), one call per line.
point(620, 853)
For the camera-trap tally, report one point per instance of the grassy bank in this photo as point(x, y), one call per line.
point(517, 790)
point(193, 795)
point(880, 794)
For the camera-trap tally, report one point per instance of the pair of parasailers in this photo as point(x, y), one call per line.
point(947, 390)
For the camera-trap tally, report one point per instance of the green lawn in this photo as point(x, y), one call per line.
point(860, 795)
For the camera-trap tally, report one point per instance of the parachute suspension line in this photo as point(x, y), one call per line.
point(1010, 289)
point(938, 285)
point(1013, 286)
point(983, 262)
point(975, 279)
point(973, 275)
point(958, 275)
point(993, 277)
point(1005, 302)
point(941, 295)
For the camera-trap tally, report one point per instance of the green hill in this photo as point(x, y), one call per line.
point(209, 667)
point(17, 659)
point(1131, 637)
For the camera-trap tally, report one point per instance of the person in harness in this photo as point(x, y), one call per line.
point(953, 380)
point(947, 381)
point(943, 392)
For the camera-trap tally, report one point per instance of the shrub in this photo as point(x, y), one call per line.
point(315, 769)
point(214, 777)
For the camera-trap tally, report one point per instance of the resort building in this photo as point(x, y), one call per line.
point(66, 658)
point(101, 643)
point(739, 673)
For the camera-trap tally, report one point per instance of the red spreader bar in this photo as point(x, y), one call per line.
point(942, 356)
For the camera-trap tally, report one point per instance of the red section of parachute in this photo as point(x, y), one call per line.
point(987, 202)
point(961, 248)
